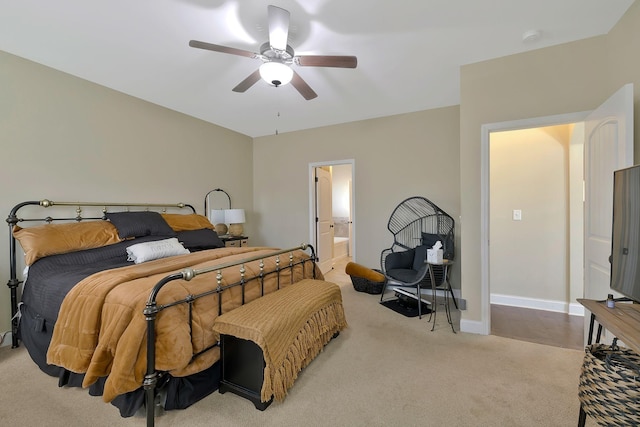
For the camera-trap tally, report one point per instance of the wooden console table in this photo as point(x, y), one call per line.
point(623, 321)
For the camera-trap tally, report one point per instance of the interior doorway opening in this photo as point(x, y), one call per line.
point(331, 202)
point(484, 326)
point(608, 139)
point(535, 196)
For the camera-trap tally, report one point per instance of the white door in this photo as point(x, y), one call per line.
point(608, 146)
point(324, 220)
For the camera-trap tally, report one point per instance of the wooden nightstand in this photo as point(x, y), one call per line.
point(234, 241)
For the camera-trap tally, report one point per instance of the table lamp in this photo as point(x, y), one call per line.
point(218, 220)
point(235, 218)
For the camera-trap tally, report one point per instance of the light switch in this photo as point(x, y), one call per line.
point(517, 215)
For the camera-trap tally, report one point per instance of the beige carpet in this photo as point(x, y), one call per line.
point(383, 370)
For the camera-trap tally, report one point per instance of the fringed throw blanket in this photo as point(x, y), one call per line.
point(291, 326)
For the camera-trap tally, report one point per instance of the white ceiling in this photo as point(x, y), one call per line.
point(409, 51)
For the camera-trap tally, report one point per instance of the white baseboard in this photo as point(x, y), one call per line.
point(473, 327)
point(573, 309)
point(576, 309)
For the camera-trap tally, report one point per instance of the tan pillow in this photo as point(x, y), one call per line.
point(180, 222)
point(354, 269)
point(52, 239)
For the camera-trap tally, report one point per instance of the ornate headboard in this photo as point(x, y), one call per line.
point(32, 212)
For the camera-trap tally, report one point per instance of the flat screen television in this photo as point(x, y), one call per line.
point(625, 239)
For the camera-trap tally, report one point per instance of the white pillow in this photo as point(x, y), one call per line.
point(142, 252)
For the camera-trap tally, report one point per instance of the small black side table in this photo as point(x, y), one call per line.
point(444, 286)
point(234, 241)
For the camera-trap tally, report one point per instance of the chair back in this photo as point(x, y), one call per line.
point(417, 221)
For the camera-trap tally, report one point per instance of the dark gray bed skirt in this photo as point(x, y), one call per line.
point(177, 392)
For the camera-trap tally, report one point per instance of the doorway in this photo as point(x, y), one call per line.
point(332, 211)
point(485, 326)
point(535, 231)
point(612, 121)
point(608, 139)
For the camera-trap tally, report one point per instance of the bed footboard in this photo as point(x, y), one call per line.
point(152, 309)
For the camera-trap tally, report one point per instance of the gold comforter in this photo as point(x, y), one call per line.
point(101, 329)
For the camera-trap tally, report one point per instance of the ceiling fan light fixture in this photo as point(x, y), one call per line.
point(276, 73)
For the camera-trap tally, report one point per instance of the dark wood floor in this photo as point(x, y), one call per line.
point(538, 326)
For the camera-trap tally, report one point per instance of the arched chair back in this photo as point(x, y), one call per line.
point(418, 221)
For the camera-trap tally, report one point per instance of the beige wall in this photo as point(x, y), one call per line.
point(62, 137)
point(563, 79)
point(395, 157)
point(65, 139)
point(529, 258)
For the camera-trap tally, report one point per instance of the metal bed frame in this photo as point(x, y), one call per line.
point(152, 308)
point(13, 220)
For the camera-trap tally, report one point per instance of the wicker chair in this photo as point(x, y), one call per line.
point(416, 224)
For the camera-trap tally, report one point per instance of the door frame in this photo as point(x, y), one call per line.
point(484, 327)
point(312, 196)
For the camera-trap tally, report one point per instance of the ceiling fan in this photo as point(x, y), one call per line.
point(277, 57)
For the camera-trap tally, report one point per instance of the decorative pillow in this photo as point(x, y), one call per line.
point(198, 240)
point(51, 239)
point(179, 222)
point(148, 251)
point(399, 260)
point(358, 270)
point(429, 239)
point(420, 256)
point(138, 224)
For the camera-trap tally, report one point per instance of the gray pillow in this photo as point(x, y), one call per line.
point(198, 240)
point(138, 224)
point(420, 257)
point(429, 239)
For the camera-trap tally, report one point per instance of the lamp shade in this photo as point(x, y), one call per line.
point(234, 216)
point(218, 220)
point(235, 219)
point(217, 216)
point(276, 73)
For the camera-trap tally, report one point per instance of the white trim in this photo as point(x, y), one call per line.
point(472, 327)
point(576, 309)
point(536, 304)
point(485, 131)
point(312, 195)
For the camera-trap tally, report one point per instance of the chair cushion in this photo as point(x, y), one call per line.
point(397, 260)
point(403, 275)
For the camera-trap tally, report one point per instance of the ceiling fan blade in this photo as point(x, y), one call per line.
point(223, 49)
point(278, 27)
point(326, 61)
point(302, 87)
point(248, 82)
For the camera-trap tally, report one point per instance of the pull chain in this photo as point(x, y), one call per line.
point(278, 102)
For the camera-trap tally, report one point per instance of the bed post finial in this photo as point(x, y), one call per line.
point(188, 274)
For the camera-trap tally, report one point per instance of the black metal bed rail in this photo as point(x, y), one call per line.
point(13, 219)
point(152, 308)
